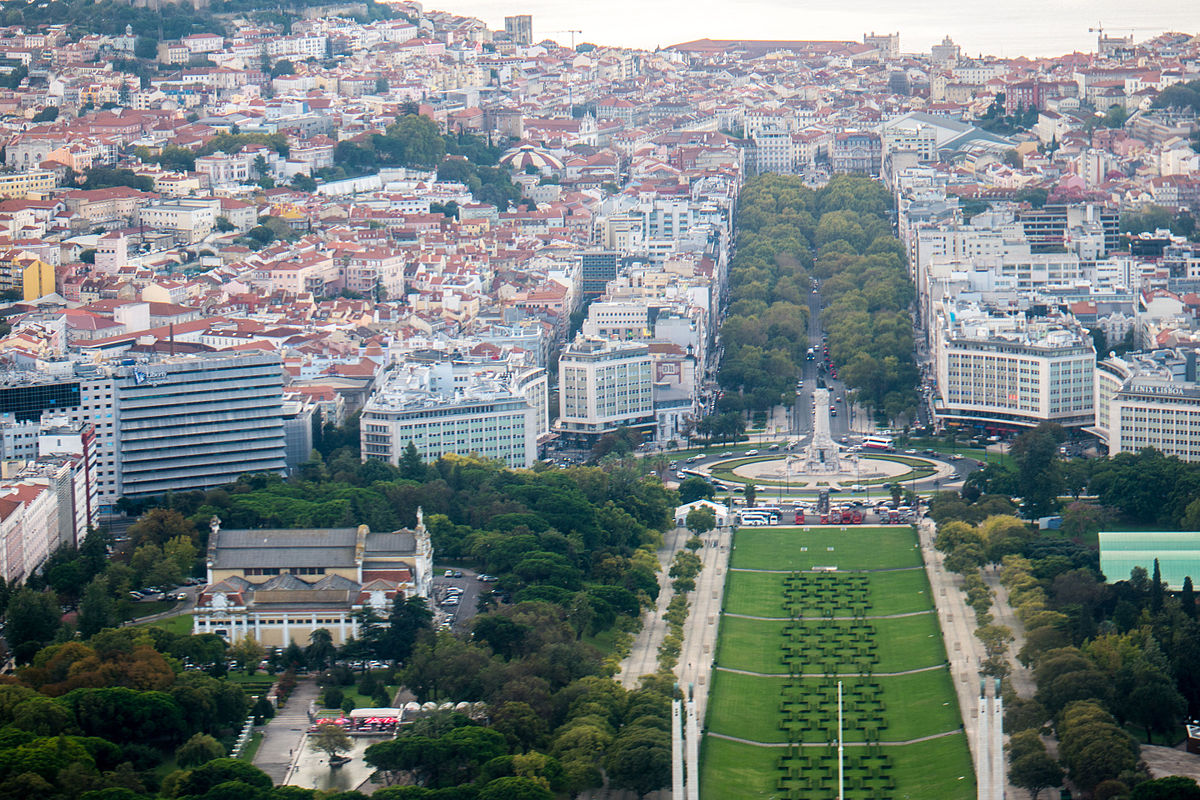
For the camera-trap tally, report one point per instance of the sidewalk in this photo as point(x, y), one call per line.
point(283, 735)
point(964, 650)
point(704, 617)
point(643, 655)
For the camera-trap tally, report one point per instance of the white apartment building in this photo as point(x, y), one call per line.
point(910, 137)
point(225, 168)
point(28, 527)
point(441, 410)
point(192, 219)
point(1153, 412)
point(604, 385)
point(776, 152)
point(1006, 373)
point(1149, 399)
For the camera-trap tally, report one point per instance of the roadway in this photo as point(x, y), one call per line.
point(814, 373)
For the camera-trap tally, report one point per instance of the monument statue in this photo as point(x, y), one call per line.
point(821, 456)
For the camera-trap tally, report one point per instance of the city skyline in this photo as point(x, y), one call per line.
point(971, 24)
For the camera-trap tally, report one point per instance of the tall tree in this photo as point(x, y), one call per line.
point(409, 616)
point(1187, 598)
point(1034, 772)
point(320, 650)
point(411, 467)
point(1039, 478)
point(1156, 589)
point(33, 619)
point(97, 610)
point(700, 520)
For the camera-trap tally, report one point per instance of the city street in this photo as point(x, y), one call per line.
point(801, 411)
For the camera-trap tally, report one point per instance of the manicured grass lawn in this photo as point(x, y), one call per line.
point(148, 608)
point(916, 705)
point(251, 747)
point(853, 549)
point(736, 771)
point(899, 592)
point(934, 769)
point(181, 625)
point(903, 643)
point(913, 705)
point(760, 594)
point(909, 643)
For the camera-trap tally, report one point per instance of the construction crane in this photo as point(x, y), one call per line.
point(1099, 29)
point(570, 31)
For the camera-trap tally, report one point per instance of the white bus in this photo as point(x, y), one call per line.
point(760, 515)
point(878, 443)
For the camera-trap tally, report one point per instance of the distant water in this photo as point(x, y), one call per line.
point(1007, 28)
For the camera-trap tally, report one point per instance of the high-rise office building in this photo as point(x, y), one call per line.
point(194, 423)
point(604, 385)
point(596, 269)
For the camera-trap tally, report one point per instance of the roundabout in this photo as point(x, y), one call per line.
point(852, 469)
point(865, 469)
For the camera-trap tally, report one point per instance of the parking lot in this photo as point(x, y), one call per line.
point(469, 587)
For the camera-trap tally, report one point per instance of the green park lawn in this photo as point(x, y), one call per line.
point(939, 768)
point(903, 643)
point(181, 625)
point(855, 548)
point(747, 707)
point(760, 594)
point(914, 705)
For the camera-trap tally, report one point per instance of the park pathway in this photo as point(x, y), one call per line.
point(643, 655)
point(965, 651)
point(283, 735)
point(918, 740)
point(700, 630)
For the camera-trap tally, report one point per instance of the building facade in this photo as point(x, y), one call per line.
point(1005, 380)
point(278, 586)
point(193, 423)
point(604, 385)
point(441, 410)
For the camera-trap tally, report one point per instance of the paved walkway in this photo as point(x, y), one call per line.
point(643, 655)
point(958, 631)
point(283, 735)
point(919, 739)
point(868, 616)
point(831, 675)
point(700, 631)
point(965, 651)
